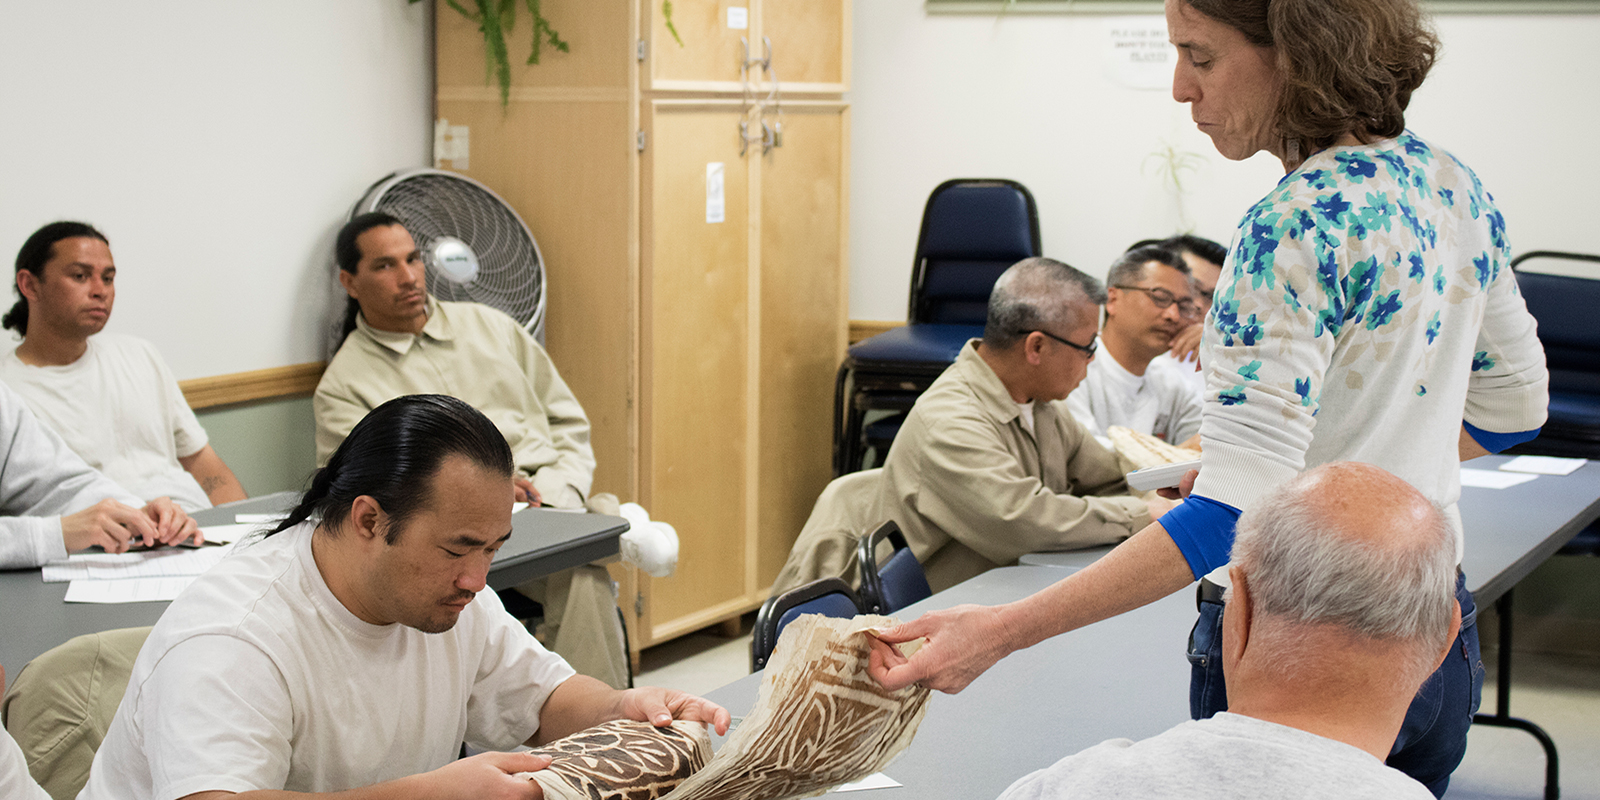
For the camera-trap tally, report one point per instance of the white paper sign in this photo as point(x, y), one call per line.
point(1137, 54)
point(738, 17)
point(715, 209)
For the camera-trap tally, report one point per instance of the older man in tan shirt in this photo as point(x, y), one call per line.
point(989, 465)
point(400, 341)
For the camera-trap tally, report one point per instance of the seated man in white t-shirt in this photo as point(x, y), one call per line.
point(1149, 300)
point(1205, 259)
point(354, 650)
point(110, 396)
point(1343, 603)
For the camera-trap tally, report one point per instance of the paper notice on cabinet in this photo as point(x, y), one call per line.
point(715, 208)
point(738, 17)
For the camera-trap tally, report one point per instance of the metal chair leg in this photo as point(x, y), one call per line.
point(1502, 718)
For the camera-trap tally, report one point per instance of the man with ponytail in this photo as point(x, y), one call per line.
point(353, 649)
point(108, 395)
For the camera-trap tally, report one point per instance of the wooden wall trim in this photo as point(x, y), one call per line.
point(295, 380)
point(867, 328)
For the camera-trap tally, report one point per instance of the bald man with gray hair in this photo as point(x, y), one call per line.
point(1342, 604)
point(989, 465)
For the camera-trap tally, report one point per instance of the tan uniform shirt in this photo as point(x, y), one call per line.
point(482, 356)
point(973, 489)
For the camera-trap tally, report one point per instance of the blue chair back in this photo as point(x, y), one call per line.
point(827, 596)
point(1564, 306)
point(972, 230)
point(899, 581)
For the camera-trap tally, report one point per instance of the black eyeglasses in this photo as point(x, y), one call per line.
point(1086, 349)
point(1164, 299)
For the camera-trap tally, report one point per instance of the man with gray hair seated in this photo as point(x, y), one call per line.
point(1342, 604)
point(989, 464)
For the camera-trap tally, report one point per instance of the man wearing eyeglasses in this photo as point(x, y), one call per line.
point(1149, 301)
point(989, 464)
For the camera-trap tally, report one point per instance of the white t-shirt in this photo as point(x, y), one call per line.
point(1188, 369)
point(120, 409)
point(1160, 402)
point(1228, 756)
point(257, 677)
point(15, 782)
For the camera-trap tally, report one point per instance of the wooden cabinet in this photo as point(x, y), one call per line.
point(703, 351)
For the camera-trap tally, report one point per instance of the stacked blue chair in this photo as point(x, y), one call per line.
point(827, 596)
point(898, 582)
point(1565, 307)
point(972, 230)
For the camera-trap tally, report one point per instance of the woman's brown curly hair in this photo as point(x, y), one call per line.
point(1348, 66)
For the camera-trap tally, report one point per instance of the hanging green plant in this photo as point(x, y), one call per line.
point(666, 16)
point(495, 19)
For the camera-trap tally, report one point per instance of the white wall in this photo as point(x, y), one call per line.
point(1023, 96)
point(219, 145)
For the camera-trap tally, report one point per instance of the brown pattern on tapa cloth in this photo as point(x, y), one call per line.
point(819, 721)
point(622, 760)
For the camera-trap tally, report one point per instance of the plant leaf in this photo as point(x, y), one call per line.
point(666, 16)
point(494, 41)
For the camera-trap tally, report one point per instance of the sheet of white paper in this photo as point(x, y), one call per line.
point(1489, 479)
point(257, 519)
point(515, 507)
point(1544, 465)
point(132, 590)
point(164, 563)
point(229, 533)
point(738, 17)
point(876, 780)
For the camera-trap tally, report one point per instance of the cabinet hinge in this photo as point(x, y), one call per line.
point(641, 49)
point(638, 605)
point(638, 139)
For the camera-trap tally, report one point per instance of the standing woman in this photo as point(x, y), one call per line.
point(1367, 313)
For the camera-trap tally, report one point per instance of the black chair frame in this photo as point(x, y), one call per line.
point(872, 592)
point(765, 635)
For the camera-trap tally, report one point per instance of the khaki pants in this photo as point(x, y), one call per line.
point(581, 623)
point(61, 704)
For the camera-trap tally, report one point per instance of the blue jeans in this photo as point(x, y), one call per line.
point(1433, 737)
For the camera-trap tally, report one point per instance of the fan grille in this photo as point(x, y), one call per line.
point(510, 275)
